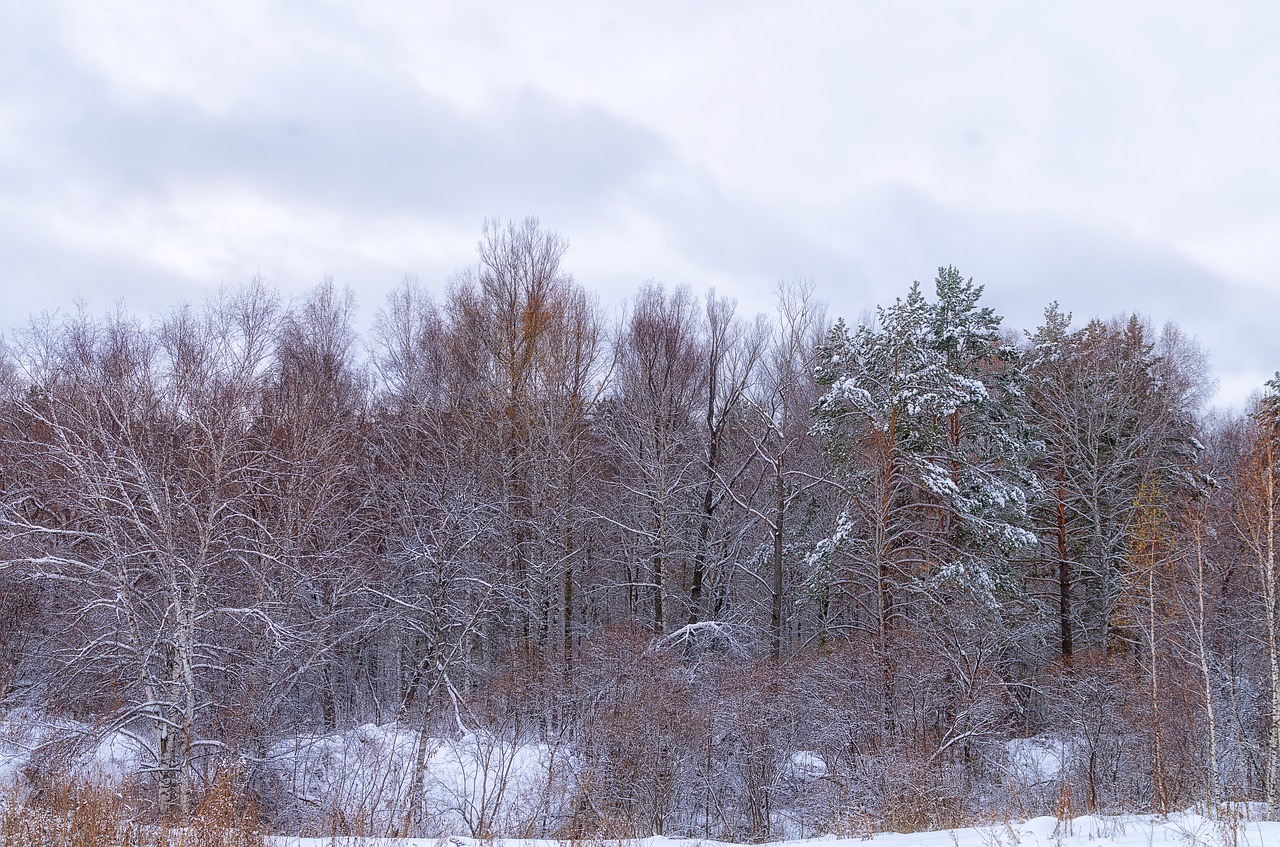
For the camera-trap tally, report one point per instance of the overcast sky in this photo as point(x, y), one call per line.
point(1111, 156)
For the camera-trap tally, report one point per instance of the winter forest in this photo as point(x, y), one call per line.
point(509, 565)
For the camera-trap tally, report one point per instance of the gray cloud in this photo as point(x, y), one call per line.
point(339, 133)
point(1029, 150)
point(867, 253)
point(42, 272)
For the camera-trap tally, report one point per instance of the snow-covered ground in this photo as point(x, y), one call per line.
point(476, 782)
point(1185, 829)
point(75, 746)
point(473, 782)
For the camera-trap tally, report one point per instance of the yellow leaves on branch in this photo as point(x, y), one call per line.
point(1152, 556)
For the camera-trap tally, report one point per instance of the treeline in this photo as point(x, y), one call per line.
point(752, 573)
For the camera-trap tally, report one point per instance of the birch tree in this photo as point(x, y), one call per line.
point(134, 499)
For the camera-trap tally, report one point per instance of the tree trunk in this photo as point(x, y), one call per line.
point(780, 505)
point(704, 535)
point(1064, 575)
point(1273, 657)
point(1206, 679)
point(1158, 766)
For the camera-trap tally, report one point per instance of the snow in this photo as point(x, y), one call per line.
point(809, 765)
point(473, 782)
point(28, 737)
point(1038, 760)
point(480, 783)
point(1184, 829)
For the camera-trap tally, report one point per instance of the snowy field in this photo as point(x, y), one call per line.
point(1186, 829)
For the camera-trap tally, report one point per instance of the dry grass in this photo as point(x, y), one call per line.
point(75, 811)
point(225, 817)
point(71, 812)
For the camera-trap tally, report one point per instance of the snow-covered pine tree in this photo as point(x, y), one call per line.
point(919, 418)
point(924, 436)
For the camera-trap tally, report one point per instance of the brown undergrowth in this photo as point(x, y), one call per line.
point(77, 811)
